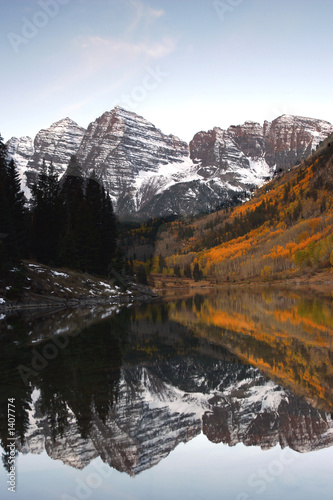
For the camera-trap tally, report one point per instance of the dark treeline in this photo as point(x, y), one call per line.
point(13, 221)
point(70, 222)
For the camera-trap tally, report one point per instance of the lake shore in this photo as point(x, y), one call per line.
point(44, 287)
point(36, 286)
point(320, 283)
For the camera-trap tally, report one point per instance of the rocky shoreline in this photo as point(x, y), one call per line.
point(44, 288)
point(39, 302)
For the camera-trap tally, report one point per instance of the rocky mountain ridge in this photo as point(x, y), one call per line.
point(122, 147)
point(55, 144)
point(151, 174)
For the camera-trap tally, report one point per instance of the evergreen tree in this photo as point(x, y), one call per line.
point(56, 213)
point(94, 234)
point(74, 228)
point(72, 192)
point(73, 223)
point(4, 208)
point(47, 215)
point(187, 271)
point(109, 232)
point(89, 241)
point(197, 273)
point(142, 275)
point(18, 236)
point(39, 221)
point(161, 263)
point(12, 213)
point(176, 270)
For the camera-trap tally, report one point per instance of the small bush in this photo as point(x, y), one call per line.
point(266, 273)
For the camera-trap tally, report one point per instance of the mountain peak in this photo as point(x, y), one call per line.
point(297, 118)
point(123, 147)
point(120, 113)
point(149, 173)
point(65, 122)
point(120, 109)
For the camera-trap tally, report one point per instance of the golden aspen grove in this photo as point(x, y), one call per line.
point(285, 230)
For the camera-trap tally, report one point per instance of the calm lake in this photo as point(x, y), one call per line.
point(227, 395)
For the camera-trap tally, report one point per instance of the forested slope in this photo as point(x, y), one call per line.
point(285, 229)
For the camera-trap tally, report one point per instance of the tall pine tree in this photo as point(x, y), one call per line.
point(94, 201)
point(12, 213)
point(73, 235)
point(4, 208)
point(17, 201)
point(100, 226)
point(109, 232)
point(47, 215)
point(73, 221)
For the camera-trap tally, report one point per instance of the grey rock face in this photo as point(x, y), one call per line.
point(150, 174)
point(57, 144)
point(250, 147)
point(120, 146)
point(21, 151)
point(192, 197)
point(249, 137)
point(289, 139)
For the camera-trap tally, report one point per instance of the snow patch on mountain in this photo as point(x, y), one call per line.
point(21, 151)
point(269, 396)
point(152, 415)
point(150, 174)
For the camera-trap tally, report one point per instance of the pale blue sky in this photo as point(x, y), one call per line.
point(185, 65)
point(197, 470)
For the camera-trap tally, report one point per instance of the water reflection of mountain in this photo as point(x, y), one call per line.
point(131, 388)
point(287, 336)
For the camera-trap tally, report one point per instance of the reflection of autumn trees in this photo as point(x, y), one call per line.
point(288, 337)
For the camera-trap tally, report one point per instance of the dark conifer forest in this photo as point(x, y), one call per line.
point(69, 222)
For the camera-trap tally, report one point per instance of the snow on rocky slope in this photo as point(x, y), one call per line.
point(151, 174)
point(57, 144)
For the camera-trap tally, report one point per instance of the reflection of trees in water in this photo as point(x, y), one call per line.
point(151, 312)
point(288, 336)
point(198, 301)
point(12, 386)
point(83, 377)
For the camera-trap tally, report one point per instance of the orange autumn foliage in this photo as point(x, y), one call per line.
point(290, 341)
point(285, 226)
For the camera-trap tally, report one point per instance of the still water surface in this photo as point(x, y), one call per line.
point(222, 396)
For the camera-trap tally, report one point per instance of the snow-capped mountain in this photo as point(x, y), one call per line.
point(289, 139)
point(57, 144)
point(156, 409)
point(249, 153)
point(152, 174)
point(123, 148)
point(21, 151)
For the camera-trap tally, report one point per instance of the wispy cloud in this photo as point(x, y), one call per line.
point(135, 47)
point(143, 13)
point(97, 55)
point(109, 48)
